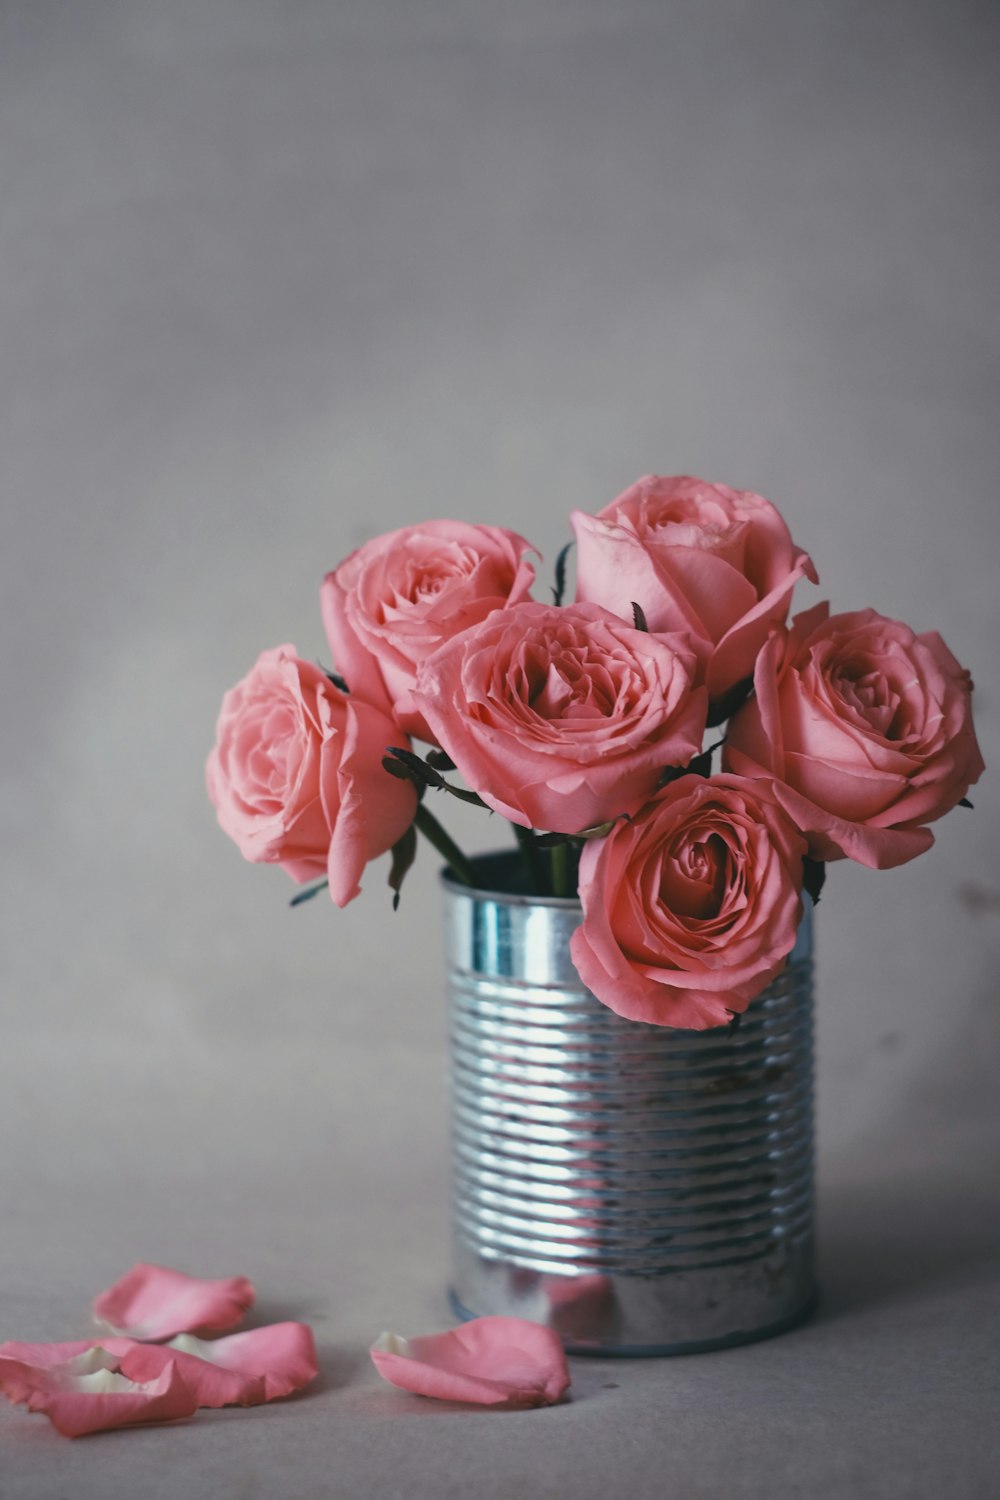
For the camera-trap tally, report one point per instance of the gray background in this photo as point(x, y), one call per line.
point(274, 278)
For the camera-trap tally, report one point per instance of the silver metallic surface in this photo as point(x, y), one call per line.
point(637, 1188)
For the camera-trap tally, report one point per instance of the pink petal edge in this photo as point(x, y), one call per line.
point(245, 1369)
point(494, 1361)
point(155, 1302)
point(89, 1390)
point(279, 1358)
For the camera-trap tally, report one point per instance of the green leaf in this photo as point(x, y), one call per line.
point(404, 852)
point(965, 802)
point(427, 824)
point(598, 831)
point(700, 766)
point(403, 773)
point(601, 830)
point(440, 760)
point(528, 842)
point(813, 877)
point(406, 766)
point(309, 893)
point(723, 708)
point(560, 588)
point(335, 678)
point(639, 617)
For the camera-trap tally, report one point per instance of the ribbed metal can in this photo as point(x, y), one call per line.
point(640, 1189)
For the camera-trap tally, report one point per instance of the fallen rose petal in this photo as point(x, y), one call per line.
point(280, 1358)
point(24, 1367)
point(154, 1302)
point(244, 1369)
point(211, 1383)
point(490, 1361)
point(87, 1391)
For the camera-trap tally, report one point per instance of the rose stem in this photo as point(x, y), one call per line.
point(560, 870)
point(532, 859)
point(445, 845)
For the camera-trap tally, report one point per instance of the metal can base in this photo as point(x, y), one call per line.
point(606, 1312)
point(735, 1340)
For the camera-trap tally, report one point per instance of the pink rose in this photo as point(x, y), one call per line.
point(296, 775)
point(699, 557)
point(866, 729)
point(392, 603)
point(561, 718)
point(690, 909)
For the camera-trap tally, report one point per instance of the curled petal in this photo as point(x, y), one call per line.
point(24, 1366)
point(505, 1362)
point(245, 1369)
point(89, 1390)
point(154, 1302)
point(272, 1361)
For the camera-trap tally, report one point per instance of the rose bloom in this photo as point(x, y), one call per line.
point(561, 718)
point(690, 909)
point(296, 775)
point(392, 603)
point(866, 729)
point(699, 557)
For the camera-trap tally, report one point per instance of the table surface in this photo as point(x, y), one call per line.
point(276, 278)
point(337, 1211)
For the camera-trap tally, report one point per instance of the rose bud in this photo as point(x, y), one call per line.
point(866, 729)
point(296, 775)
point(395, 600)
point(691, 908)
point(561, 718)
point(716, 562)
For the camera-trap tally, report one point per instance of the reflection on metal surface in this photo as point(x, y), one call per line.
point(640, 1190)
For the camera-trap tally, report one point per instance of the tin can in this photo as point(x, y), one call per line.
point(639, 1189)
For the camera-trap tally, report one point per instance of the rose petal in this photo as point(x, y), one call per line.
point(244, 1369)
point(561, 718)
point(866, 730)
point(87, 1390)
point(400, 596)
point(489, 1361)
point(716, 562)
point(154, 1302)
point(690, 908)
point(280, 1358)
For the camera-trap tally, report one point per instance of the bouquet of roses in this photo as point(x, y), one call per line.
point(584, 724)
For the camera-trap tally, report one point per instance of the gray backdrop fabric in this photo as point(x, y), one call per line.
point(275, 278)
